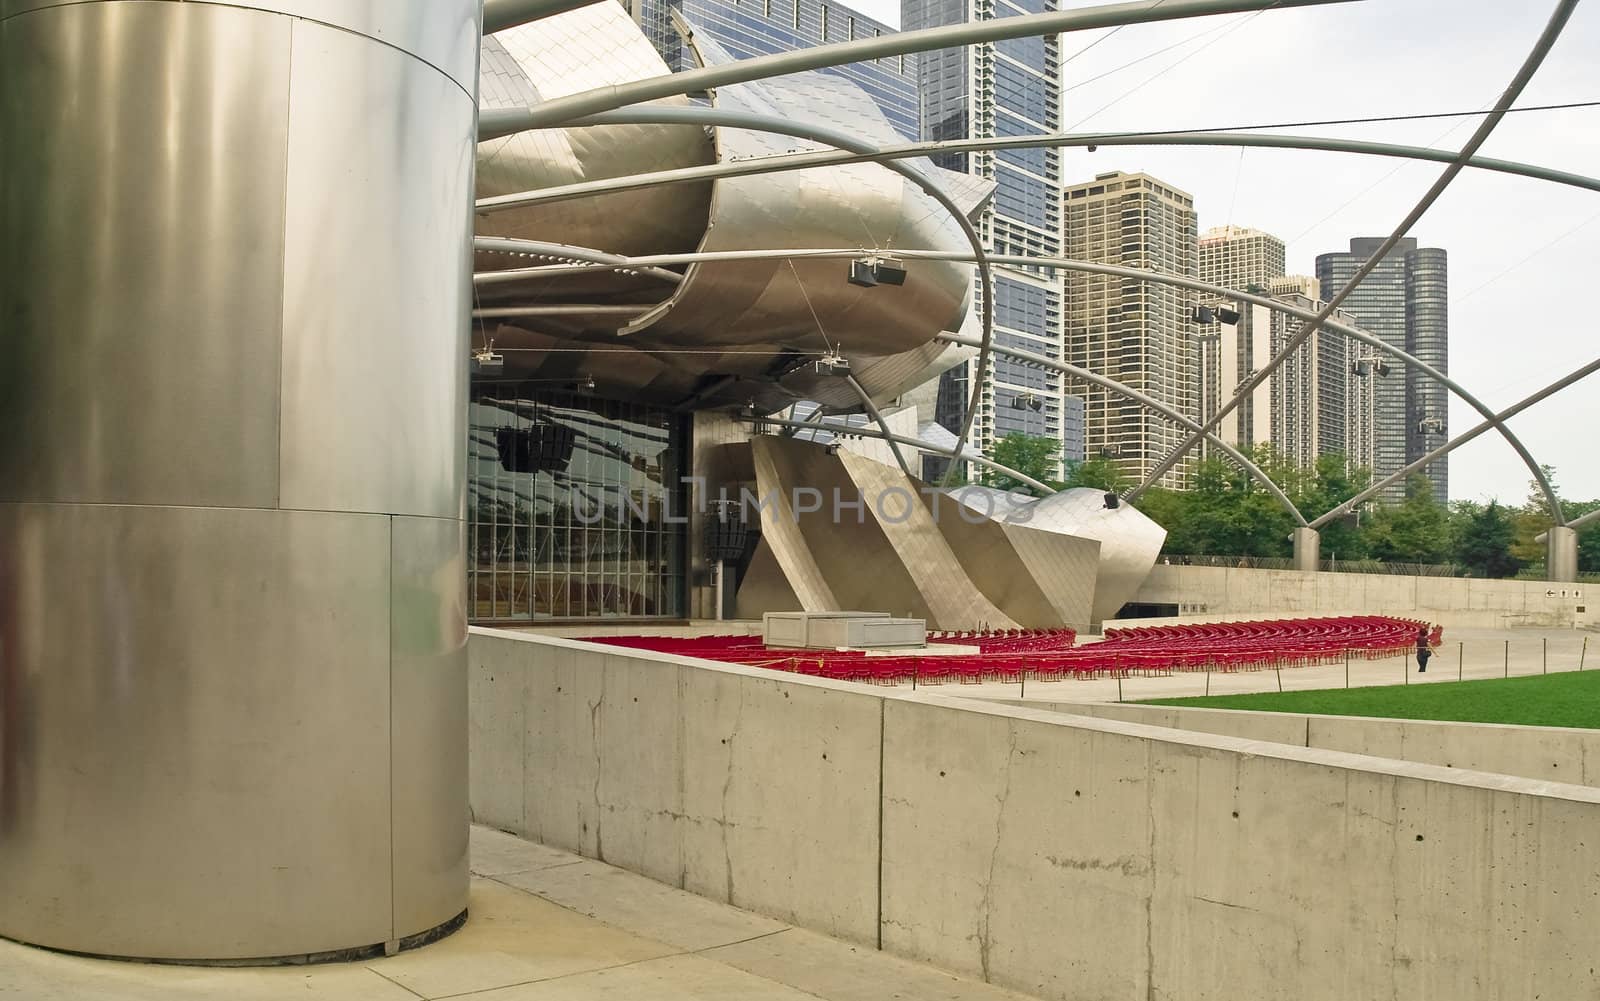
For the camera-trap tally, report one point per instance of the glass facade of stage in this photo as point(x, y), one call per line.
point(575, 506)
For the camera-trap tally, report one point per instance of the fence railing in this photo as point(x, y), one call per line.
point(1333, 566)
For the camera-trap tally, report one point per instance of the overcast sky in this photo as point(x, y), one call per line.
point(1524, 254)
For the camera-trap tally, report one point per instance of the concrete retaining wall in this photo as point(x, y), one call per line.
point(1451, 601)
point(1063, 856)
point(1548, 753)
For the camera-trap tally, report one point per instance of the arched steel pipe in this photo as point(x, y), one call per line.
point(883, 425)
point(539, 248)
point(1530, 65)
point(1179, 281)
point(846, 141)
point(498, 15)
point(811, 159)
point(563, 111)
point(1149, 403)
point(916, 443)
point(1582, 521)
point(559, 309)
point(1456, 442)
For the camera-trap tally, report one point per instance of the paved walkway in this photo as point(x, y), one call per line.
point(544, 925)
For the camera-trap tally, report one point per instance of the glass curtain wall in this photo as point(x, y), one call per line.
point(576, 505)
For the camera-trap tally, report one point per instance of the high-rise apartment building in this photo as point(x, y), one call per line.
point(749, 28)
point(1405, 302)
point(1138, 333)
point(1240, 258)
point(1318, 402)
point(1004, 89)
point(1321, 396)
point(1235, 257)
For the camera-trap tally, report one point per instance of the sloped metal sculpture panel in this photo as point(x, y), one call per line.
point(1129, 541)
point(940, 556)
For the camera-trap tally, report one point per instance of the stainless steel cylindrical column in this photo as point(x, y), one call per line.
point(235, 243)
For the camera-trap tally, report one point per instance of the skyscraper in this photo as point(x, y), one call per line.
point(1004, 89)
point(1138, 333)
point(749, 28)
point(1405, 302)
point(1240, 258)
point(1236, 257)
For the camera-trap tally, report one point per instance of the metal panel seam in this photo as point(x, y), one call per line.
point(272, 13)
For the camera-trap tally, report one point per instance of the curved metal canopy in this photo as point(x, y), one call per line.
point(842, 140)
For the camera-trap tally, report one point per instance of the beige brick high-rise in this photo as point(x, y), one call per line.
point(1138, 333)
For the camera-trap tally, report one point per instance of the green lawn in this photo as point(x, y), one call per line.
point(1567, 699)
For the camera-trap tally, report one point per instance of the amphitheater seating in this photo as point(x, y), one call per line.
point(1052, 654)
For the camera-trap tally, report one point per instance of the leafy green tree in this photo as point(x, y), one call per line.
point(1031, 455)
point(1532, 519)
point(1098, 473)
point(1323, 487)
point(1588, 536)
point(1483, 535)
point(1417, 530)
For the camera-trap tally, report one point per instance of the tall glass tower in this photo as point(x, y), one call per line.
point(750, 28)
point(1005, 89)
point(1405, 301)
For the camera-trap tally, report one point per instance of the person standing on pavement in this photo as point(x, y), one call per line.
point(1423, 650)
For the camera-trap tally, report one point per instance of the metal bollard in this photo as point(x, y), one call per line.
point(1508, 659)
point(1461, 659)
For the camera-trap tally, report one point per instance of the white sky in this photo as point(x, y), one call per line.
point(1523, 253)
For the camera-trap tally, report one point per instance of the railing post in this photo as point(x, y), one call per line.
point(1508, 659)
point(1461, 658)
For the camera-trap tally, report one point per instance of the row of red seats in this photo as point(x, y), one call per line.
point(1008, 640)
point(1047, 655)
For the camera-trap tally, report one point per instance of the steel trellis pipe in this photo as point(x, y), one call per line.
point(1066, 264)
point(842, 140)
point(1500, 418)
point(537, 248)
point(498, 15)
point(883, 425)
point(916, 443)
point(563, 110)
point(1530, 65)
point(811, 159)
point(1582, 521)
point(1149, 403)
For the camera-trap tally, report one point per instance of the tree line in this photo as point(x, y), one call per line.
point(1225, 512)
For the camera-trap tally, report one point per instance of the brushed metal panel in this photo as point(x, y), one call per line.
point(202, 770)
point(589, 47)
point(376, 285)
point(443, 33)
point(1064, 567)
point(428, 686)
point(993, 564)
point(953, 600)
point(141, 241)
point(1129, 540)
point(782, 301)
